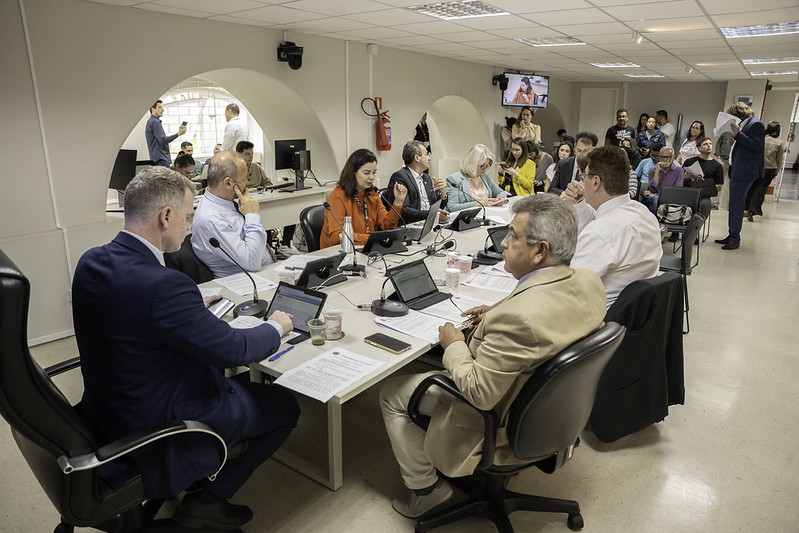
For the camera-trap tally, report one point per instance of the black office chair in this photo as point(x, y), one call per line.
point(56, 442)
point(645, 375)
point(543, 426)
point(689, 196)
point(186, 261)
point(682, 264)
point(312, 219)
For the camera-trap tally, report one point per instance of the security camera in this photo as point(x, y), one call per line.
point(291, 53)
point(502, 80)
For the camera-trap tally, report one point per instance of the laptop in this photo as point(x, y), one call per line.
point(466, 219)
point(322, 272)
point(419, 233)
point(414, 286)
point(385, 242)
point(302, 304)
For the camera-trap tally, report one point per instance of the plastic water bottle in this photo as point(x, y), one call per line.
point(346, 244)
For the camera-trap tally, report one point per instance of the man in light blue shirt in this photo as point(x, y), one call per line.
point(157, 140)
point(642, 171)
point(237, 228)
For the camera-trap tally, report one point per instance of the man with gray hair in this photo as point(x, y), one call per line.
point(619, 239)
point(234, 129)
point(238, 228)
point(491, 365)
point(151, 353)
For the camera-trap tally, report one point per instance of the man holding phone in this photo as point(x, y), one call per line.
point(157, 140)
point(491, 365)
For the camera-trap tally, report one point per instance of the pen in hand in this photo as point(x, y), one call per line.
point(278, 354)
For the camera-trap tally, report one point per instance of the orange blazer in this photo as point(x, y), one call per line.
point(343, 206)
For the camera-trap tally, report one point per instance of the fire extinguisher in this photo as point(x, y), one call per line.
point(383, 125)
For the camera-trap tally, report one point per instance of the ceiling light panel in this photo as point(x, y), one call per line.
point(770, 61)
point(458, 10)
point(551, 41)
point(782, 28)
point(775, 73)
point(644, 75)
point(615, 65)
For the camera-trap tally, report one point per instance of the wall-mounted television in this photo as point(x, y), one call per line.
point(526, 90)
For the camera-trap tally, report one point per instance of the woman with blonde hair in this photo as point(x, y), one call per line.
point(472, 187)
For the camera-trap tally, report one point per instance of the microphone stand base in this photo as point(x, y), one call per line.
point(389, 308)
point(251, 308)
point(354, 270)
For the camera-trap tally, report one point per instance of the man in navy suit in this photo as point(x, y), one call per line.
point(422, 189)
point(567, 170)
point(746, 166)
point(151, 352)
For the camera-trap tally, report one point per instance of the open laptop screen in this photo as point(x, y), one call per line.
point(412, 281)
point(301, 304)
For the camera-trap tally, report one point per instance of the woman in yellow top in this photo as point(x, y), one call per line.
point(525, 93)
point(524, 127)
point(517, 175)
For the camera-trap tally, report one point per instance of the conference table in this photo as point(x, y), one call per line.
point(358, 324)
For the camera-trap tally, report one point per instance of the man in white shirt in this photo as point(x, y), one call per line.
point(619, 238)
point(238, 229)
point(666, 128)
point(234, 130)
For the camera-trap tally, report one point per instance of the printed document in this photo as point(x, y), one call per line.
point(241, 284)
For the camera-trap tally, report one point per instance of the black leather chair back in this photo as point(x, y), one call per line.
point(311, 220)
point(43, 423)
point(554, 405)
point(645, 375)
point(689, 196)
point(691, 234)
point(186, 261)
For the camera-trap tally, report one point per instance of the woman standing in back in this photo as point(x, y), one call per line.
point(525, 128)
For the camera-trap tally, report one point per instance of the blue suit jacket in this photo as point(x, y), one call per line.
point(411, 207)
point(150, 353)
point(747, 161)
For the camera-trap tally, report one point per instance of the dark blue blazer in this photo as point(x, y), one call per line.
point(747, 161)
point(151, 352)
point(411, 207)
point(563, 175)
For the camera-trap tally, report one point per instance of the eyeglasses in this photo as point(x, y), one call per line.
point(485, 166)
point(665, 157)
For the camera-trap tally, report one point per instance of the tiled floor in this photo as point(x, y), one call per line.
point(725, 461)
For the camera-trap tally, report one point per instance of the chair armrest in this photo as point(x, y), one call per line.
point(445, 383)
point(63, 366)
point(134, 441)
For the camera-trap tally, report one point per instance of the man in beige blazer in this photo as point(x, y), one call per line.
point(490, 367)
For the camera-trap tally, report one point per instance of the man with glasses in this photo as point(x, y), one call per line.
point(642, 170)
point(618, 239)
point(620, 131)
point(665, 173)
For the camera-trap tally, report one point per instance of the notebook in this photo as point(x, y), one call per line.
point(419, 233)
point(414, 286)
point(302, 304)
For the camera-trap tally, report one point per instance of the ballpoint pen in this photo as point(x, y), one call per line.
point(278, 354)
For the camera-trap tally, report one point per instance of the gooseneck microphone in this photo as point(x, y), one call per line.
point(446, 245)
point(254, 307)
point(484, 221)
point(354, 267)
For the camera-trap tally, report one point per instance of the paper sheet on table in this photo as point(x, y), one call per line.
point(328, 373)
point(494, 283)
point(695, 169)
point(415, 324)
point(205, 292)
point(497, 270)
point(723, 123)
point(241, 284)
point(452, 311)
point(295, 263)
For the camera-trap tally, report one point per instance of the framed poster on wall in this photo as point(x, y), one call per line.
point(745, 98)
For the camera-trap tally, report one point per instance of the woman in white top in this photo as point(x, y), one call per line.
point(688, 148)
point(565, 149)
point(525, 128)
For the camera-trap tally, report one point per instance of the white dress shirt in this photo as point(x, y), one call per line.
point(621, 243)
point(234, 132)
point(242, 236)
point(424, 201)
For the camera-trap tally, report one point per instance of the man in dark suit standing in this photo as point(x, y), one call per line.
point(746, 165)
point(422, 189)
point(566, 171)
point(151, 352)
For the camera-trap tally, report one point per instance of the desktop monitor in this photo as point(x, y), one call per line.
point(537, 97)
point(284, 153)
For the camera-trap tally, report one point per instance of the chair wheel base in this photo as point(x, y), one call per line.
point(575, 522)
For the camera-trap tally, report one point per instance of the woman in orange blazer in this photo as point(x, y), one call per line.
point(356, 196)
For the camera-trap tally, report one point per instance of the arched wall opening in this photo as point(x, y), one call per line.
point(278, 111)
point(455, 126)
